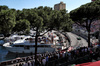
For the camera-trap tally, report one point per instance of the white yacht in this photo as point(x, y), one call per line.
point(13, 38)
point(27, 45)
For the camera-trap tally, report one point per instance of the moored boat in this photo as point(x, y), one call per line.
point(27, 45)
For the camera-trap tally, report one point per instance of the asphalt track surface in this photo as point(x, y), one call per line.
point(77, 43)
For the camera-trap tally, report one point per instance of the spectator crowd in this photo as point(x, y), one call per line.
point(48, 59)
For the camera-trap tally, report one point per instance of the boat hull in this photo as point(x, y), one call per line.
point(28, 50)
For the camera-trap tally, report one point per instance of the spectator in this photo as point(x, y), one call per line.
point(20, 64)
point(44, 61)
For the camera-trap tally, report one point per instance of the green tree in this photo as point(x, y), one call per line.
point(66, 21)
point(7, 21)
point(19, 15)
point(86, 14)
point(22, 25)
point(4, 8)
point(54, 18)
point(60, 20)
point(44, 15)
point(32, 15)
point(39, 18)
point(67, 25)
point(37, 25)
point(47, 10)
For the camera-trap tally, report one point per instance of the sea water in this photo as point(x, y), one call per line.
point(6, 55)
point(3, 53)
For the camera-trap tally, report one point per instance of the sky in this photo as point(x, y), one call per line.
point(20, 4)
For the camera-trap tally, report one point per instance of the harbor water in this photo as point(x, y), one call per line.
point(5, 55)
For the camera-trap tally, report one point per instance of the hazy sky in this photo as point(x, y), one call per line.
point(20, 4)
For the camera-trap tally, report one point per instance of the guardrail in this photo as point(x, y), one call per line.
point(66, 35)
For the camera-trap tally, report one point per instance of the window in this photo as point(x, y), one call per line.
point(16, 45)
point(26, 47)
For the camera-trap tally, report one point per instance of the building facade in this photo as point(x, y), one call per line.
point(60, 6)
